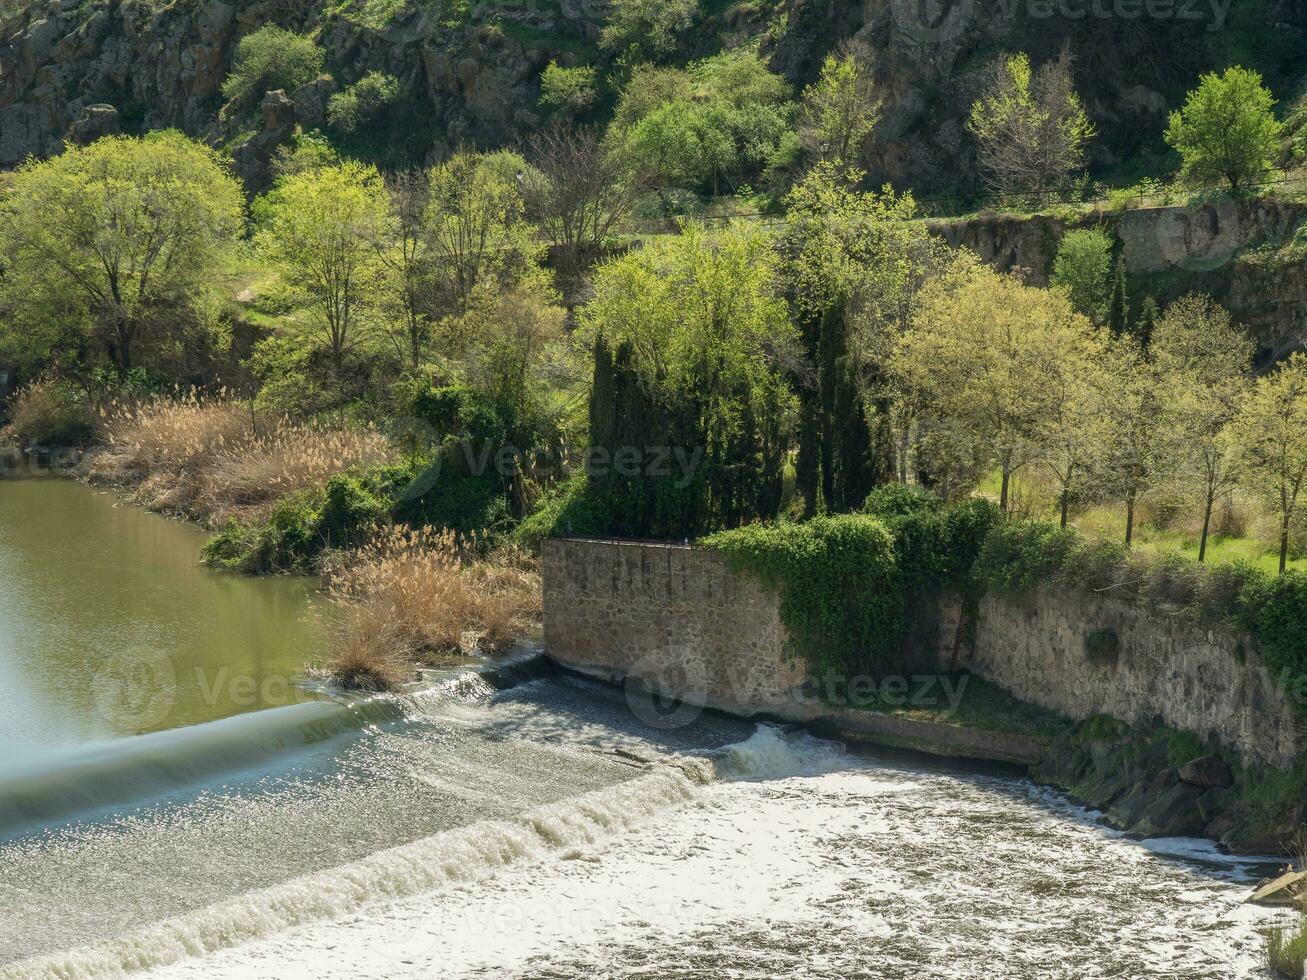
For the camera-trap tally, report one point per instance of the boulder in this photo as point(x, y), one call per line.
point(1174, 813)
point(1209, 771)
point(92, 123)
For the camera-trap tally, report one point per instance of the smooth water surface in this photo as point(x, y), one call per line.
point(109, 625)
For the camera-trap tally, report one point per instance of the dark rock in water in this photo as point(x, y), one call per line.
point(1127, 774)
point(1211, 803)
point(1173, 814)
point(1129, 811)
point(1208, 771)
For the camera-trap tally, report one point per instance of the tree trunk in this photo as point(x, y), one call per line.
point(1284, 543)
point(1066, 499)
point(124, 330)
point(1207, 523)
point(1129, 519)
point(1002, 493)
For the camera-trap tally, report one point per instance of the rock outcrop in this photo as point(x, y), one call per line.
point(1239, 251)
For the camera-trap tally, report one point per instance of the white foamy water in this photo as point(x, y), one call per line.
point(804, 863)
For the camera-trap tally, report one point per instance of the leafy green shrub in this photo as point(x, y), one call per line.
point(420, 492)
point(937, 546)
point(1275, 607)
point(1019, 555)
point(286, 542)
point(899, 500)
point(567, 91)
point(567, 509)
point(53, 414)
point(363, 105)
point(1100, 566)
point(271, 58)
point(841, 597)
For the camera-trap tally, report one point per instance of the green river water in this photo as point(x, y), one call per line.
point(110, 626)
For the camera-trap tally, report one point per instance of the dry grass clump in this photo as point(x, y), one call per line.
point(369, 653)
point(410, 594)
point(208, 459)
point(48, 413)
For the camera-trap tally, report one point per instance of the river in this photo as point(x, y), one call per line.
point(521, 823)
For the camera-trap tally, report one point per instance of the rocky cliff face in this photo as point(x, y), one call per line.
point(1130, 67)
point(474, 78)
point(1240, 252)
point(472, 68)
point(157, 69)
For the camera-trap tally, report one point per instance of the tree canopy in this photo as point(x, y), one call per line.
point(122, 236)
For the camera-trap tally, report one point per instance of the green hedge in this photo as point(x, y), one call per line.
point(842, 597)
point(350, 506)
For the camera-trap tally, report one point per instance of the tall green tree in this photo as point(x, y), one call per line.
point(697, 333)
point(1271, 432)
point(1227, 129)
point(840, 110)
point(118, 236)
point(1118, 308)
point(645, 30)
point(1204, 366)
point(853, 268)
point(320, 232)
point(1083, 267)
point(476, 225)
point(720, 123)
point(987, 357)
point(1134, 457)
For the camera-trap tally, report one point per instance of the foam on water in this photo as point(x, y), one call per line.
point(456, 856)
point(834, 867)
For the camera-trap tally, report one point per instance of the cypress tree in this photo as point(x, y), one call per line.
point(1148, 314)
point(1116, 317)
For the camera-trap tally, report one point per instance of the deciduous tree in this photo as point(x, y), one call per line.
point(1203, 365)
point(117, 234)
point(579, 189)
point(321, 232)
point(1271, 432)
point(1133, 458)
point(986, 355)
point(1030, 128)
point(1083, 267)
point(476, 225)
point(840, 109)
point(1227, 129)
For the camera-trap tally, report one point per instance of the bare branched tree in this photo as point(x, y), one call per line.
point(1030, 127)
point(579, 191)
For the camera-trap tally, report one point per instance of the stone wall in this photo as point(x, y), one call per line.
point(1191, 677)
point(673, 617)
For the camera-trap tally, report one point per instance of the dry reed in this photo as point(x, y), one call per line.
point(208, 459)
point(413, 594)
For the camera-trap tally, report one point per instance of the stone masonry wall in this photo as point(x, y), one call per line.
point(674, 617)
point(1205, 681)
